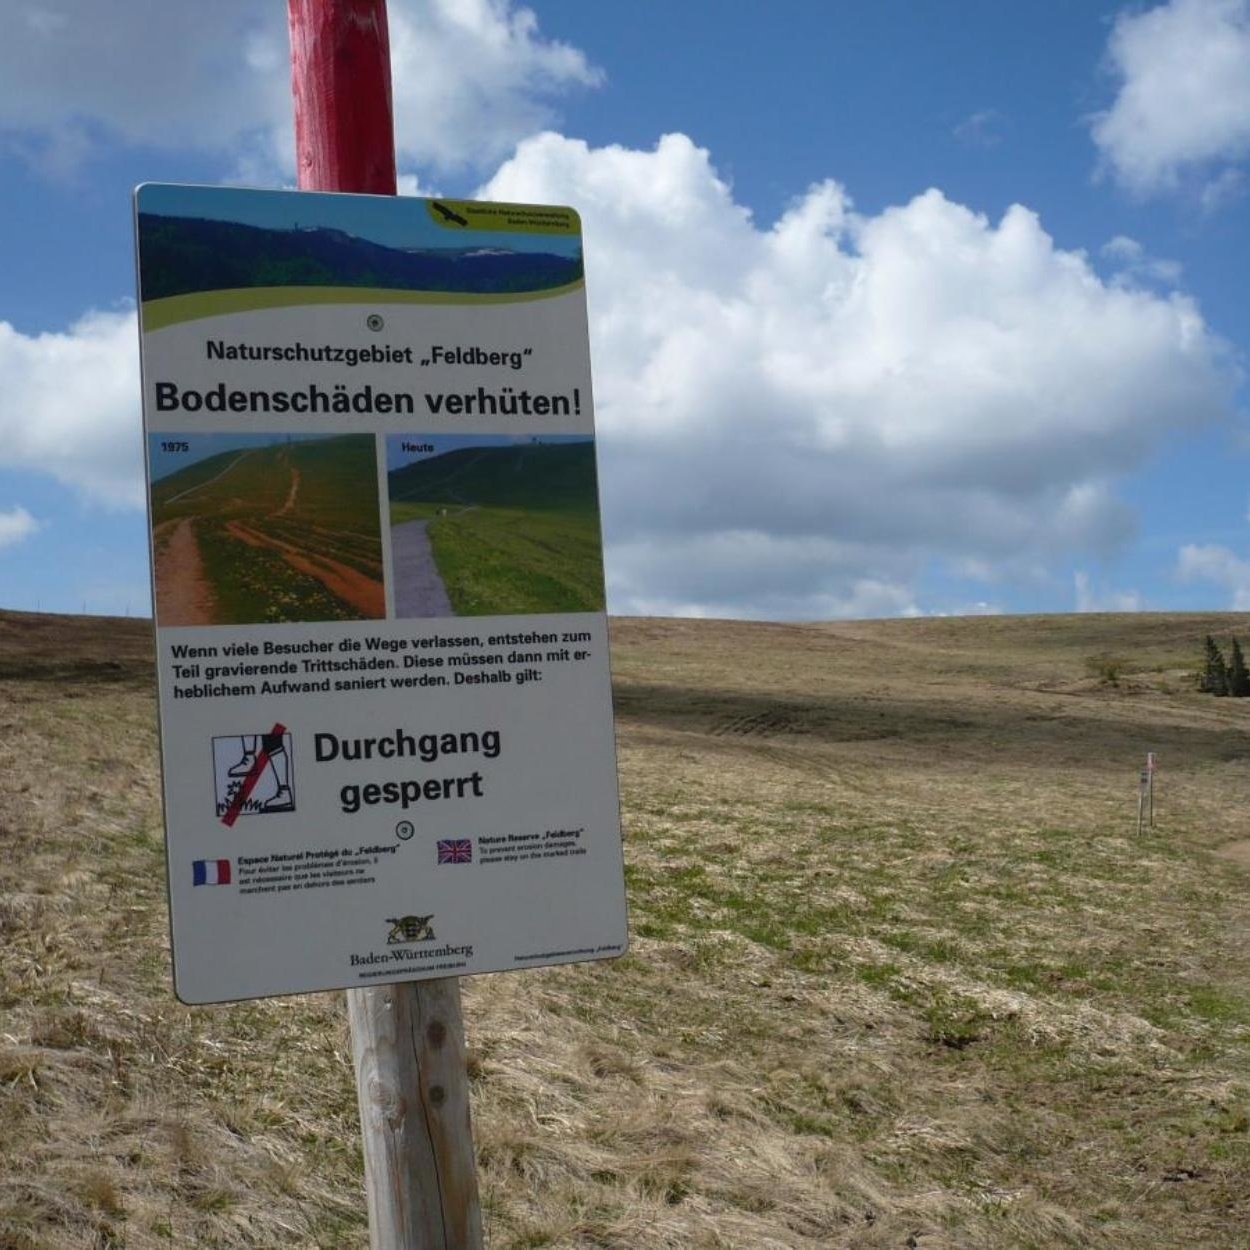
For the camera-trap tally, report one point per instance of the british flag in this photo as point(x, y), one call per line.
point(455, 851)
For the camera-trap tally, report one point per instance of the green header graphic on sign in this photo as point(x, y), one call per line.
point(204, 251)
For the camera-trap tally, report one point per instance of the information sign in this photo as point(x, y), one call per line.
point(382, 649)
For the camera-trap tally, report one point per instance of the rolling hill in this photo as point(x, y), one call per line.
point(902, 973)
point(548, 477)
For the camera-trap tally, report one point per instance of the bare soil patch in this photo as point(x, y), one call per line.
point(364, 593)
point(182, 594)
point(289, 503)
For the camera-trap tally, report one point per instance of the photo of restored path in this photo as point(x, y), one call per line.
point(486, 525)
point(251, 529)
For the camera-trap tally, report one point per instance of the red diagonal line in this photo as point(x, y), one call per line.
point(243, 793)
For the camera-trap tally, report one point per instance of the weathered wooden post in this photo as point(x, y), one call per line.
point(420, 1179)
point(407, 1038)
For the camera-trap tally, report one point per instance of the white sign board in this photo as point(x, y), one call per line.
point(381, 642)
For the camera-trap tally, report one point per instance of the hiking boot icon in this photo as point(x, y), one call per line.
point(253, 775)
point(281, 801)
point(244, 766)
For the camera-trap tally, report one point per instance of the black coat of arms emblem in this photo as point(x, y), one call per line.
point(409, 929)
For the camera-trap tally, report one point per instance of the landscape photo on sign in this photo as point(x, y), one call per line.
point(492, 525)
point(198, 240)
point(264, 528)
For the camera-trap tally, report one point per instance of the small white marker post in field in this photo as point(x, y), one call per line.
point(1146, 793)
point(1150, 786)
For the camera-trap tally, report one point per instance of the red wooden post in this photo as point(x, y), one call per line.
point(341, 80)
point(407, 1039)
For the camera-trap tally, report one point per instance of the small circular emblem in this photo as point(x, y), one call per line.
point(405, 829)
point(374, 322)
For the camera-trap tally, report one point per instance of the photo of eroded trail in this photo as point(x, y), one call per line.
point(268, 528)
point(482, 525)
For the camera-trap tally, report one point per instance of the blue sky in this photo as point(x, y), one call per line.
point(895, 308)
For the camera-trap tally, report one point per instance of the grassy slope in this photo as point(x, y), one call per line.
point(338, 484)
point(901, 973)
point(522, 530)
point(324, 466)
point(551, 477)
point(334, 514)
point(188, 479)
point(498, 561)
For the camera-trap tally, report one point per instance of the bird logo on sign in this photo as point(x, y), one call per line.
point(449, 215)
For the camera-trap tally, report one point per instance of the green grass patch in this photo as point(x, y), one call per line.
point(336, 483)
point(495, 561)
point(254, 584)
point(404, 510)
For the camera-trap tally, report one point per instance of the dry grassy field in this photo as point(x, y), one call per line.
point(902, 973)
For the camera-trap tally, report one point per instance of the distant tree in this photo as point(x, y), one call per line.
point(1214, 676)
point(1238, 676)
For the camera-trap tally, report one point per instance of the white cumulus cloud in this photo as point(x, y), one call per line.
point(799, 418)
point(1090, 598)
point(1183, 101)
point(1135, 265)
point(144, 72)
point(15, 525)
point(1216, 564)
point(470, 78)
point(69, 406)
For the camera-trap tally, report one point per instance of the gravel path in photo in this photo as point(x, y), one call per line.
point(419, 590)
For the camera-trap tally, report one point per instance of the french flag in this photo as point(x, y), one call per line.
point(211, 871)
